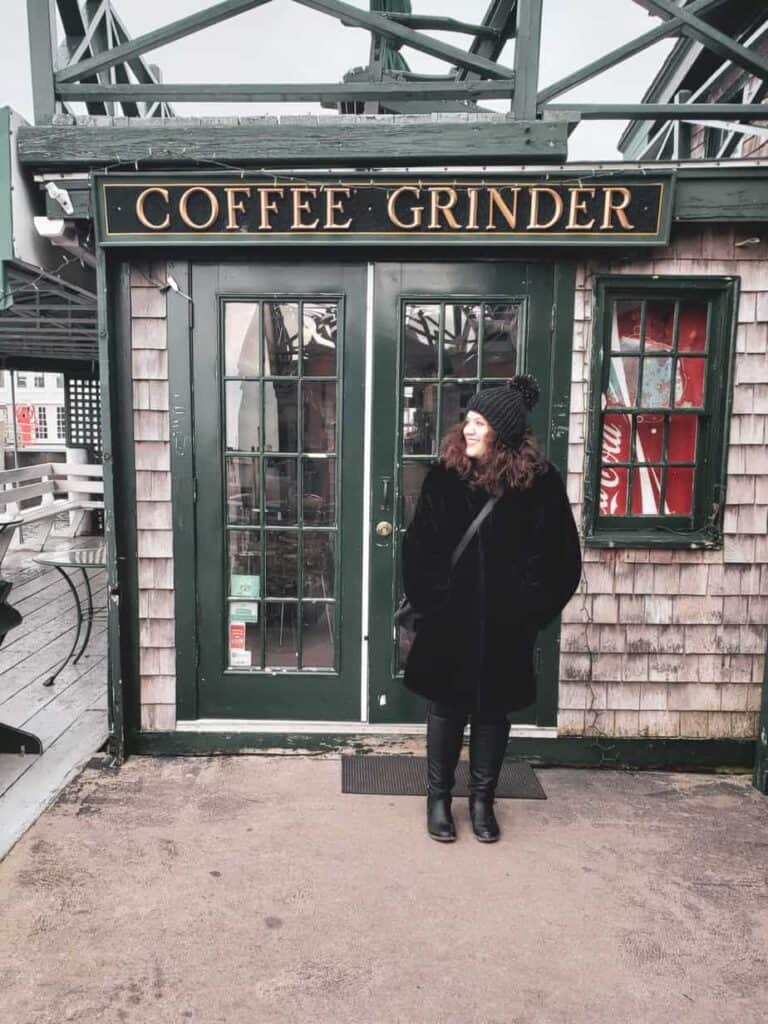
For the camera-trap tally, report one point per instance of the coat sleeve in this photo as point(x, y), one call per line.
point(552, 568)
point(426, 563)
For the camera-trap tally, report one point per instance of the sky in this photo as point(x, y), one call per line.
point(285, 42)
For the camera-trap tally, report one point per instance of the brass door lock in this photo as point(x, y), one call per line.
point(384, 529)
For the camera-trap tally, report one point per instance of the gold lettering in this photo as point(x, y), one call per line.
point(302, 206)
point(266, 206)
point(417, 210)
point(472, 195)
point(533, 220)
point(184, 207)
point(332, 205)
point(165, 222)
point(576, 205)
point(437, 207)
point(610, 207)
point(233, 206)
point(497, 202)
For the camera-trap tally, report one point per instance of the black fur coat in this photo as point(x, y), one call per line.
point(475, 644)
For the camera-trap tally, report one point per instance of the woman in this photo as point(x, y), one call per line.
point(472, 656)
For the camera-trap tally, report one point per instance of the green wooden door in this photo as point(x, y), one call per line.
point(441, 331)
point(277, 357)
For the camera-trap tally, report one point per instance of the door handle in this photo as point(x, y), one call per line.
point(386, 493)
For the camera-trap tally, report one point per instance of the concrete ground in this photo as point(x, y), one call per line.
point(250, 889)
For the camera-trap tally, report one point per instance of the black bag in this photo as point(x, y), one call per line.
point(406, 617)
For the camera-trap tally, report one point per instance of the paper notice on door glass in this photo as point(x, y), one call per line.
point(245, 586)
point(244, 611)
point(239, 659)
point(237, 636)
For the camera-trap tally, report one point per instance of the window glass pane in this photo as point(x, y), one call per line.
point(659, 324)
point(614, 483)
point(646, 486)
point(625, 328)
point(622, 382)
point(320, 336)
point(689, 382)
point(243, 491)
point(281, 635)
point(317, 634)
point(455, 399)
point(242, 356)
point(421, 339)
point(244, 631)
point(657, 381)
point(318, 564)
point(500, 340)
point(319, 416)
point(243, 416)
point(282, 564)
point(692, 329)
point(319, 491)
point(419, 416)
point(411, 479)
point(679, 495)
point(681, 445)
point(649, 438)
point(281, 338)
point(280, 492)
point(244, 564)
point(617, 429)
point(461, 339)
point(281, 420)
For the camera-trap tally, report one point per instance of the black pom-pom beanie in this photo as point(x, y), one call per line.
point(506, 407)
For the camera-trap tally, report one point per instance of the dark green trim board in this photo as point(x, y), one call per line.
point(6, 209)
point(566, 751)
point(760, 771)
point(703, 527)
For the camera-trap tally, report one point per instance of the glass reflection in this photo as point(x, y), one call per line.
point(455, 399)
point(242, 356)
point(243, 416)
point(500, 340)
point(242, 491)
point(419, 418)
point(625, 328)
point(281, 635)
point(281, 416)
point(280, 491)
point(320, 330)
point(622, 381)
point(689, 382)
point(692, 327)
point(319, 416)
point(461, 340)
point(319, 491)
point(318, 564)
point(244, 564)
point(659, 324)
point(317, 634)
point(281, 339)
point(421, 338)
point(282, 564)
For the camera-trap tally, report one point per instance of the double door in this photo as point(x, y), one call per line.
point(320, 393)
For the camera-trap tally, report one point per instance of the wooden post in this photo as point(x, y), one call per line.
point(41, 17)
point(760, 773)
point(682, 130)
point(527, 48)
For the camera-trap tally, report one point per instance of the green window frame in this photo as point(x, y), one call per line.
point(661, 387)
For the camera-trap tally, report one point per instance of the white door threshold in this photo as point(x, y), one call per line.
point(248, 725)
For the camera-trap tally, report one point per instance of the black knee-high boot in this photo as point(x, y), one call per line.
point(487, 746)
point(444, 740)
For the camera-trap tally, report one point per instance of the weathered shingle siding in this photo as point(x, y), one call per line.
point(672, 643)
point(154, 540)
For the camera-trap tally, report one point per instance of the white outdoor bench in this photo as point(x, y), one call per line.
point(61, 487)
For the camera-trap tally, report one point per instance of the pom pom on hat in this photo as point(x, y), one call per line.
point(505, 407)
point(528, 387)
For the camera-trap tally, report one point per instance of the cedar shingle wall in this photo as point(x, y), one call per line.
point(157, 655)
point(671, 643)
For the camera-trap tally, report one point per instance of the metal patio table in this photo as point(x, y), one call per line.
point(67, 563)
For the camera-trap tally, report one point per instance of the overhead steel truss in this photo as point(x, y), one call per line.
point(98, 64)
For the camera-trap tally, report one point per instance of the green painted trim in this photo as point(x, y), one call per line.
point(6, 207)
point(760, 770)
point(565, 751)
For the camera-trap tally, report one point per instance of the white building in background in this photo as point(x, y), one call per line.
point(39, 410)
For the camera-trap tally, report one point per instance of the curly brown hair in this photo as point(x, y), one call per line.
point(503, 467)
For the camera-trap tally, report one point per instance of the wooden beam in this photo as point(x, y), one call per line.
point(622, 53)
point(307, 92)
point(330, 141)
point(41, 22)
point(382, 26)
point(159, 37)
point(527, 51)
point(712, 38)
point(437, 24)
point(652, 111)
point(501, 17)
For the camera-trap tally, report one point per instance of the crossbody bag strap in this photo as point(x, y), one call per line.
point(472, 529)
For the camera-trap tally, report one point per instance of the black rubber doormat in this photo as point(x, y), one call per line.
point(395, 775)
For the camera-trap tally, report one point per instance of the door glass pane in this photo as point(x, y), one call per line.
point(244, 564)
point(461, 340)
point(244, 633)
point(419, 419)
point(281, 338)
point(421, 340)
point(500, 340)
point(317, 634)
point(319, 416)
point(243, 421)
point(243, 491)
point(282, 564)
point(318, 564)
point(319, 491)
point(281, 635)
point(281, 416)
point(320, 338)
point(455, 399)
point(412, 477)
point(242, 356)
point(280, 492)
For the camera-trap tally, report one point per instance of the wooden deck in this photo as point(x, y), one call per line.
point(70, 717)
